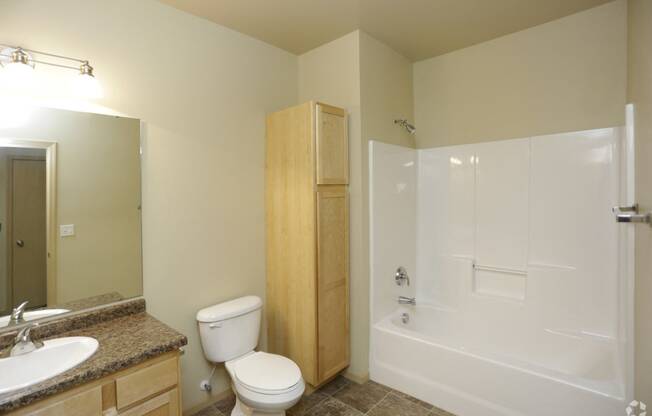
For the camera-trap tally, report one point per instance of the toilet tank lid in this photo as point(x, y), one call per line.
point(229, 309)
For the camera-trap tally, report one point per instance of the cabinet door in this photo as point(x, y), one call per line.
point(87, 403)
point(332, 280)
point(332, 146)
point(136, 386)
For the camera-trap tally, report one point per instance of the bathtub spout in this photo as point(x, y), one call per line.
point(404, 300)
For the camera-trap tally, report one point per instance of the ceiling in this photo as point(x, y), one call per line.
point(418, 29)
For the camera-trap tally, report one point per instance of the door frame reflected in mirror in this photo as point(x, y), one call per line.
point(51, 206)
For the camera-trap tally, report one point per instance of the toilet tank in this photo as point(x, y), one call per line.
point(230, 329)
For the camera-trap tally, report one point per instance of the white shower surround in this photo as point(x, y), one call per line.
point(551, 334)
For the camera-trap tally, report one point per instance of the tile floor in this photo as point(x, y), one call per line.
point(342, 397)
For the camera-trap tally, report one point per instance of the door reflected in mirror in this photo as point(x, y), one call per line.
point(25, 222)
point(70, 223)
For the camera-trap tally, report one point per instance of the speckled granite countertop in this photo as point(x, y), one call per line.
point(123, 342)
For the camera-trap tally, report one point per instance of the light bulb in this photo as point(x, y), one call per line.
point(86, 85)
point(19, 72)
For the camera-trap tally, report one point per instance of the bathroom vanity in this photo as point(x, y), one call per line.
point(135, 370)
point(150, 388)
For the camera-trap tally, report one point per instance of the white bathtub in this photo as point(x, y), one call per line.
point(482, 371)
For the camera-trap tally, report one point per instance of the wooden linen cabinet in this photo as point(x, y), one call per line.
point(307, 238)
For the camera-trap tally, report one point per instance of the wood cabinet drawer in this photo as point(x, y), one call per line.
point(87, 403)
point(166, 404)
point(146, 382)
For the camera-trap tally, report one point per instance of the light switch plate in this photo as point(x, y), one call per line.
point(67, 230)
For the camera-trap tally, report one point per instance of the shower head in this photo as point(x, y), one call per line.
point(404, 123)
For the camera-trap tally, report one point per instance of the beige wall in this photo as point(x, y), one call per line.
point(98, 191)
point(386, 92)
point(204, 133)
point(566, 75)
point(4, 294)
point(640, 93)
point(203, 92)
point(331, 74)
point(374, 84)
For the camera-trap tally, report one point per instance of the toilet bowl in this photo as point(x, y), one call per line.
point(263, 383)
point(267, 383)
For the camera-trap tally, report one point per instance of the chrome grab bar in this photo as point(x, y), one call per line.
point(627, 208)
point(630, 214)
point(634, 218)
point(478, 267)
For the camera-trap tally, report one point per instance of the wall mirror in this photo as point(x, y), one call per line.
point(70, 222)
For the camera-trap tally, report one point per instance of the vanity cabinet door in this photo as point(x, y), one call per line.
point(333, 280)
point(166, 404)
point(146, 382)
point(332, 146)
point(86, 403)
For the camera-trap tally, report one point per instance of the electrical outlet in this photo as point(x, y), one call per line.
point(67, 230)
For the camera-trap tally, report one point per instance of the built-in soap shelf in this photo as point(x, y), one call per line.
point(501, 282)
point(505, 282)
point(479, 267)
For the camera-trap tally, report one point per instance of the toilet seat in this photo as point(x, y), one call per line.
point(265, 373)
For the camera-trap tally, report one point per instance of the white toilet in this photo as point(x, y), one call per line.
point(264, 384)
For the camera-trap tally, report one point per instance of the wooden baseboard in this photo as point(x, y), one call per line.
point(212, 400)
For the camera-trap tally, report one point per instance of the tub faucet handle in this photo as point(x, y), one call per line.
point(401, 277)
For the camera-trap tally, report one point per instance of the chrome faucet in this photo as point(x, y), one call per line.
point(23, 342)
point(17, 314)
point(404, 300)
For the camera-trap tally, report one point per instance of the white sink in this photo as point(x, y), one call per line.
point(56, 356)
point(32, 315)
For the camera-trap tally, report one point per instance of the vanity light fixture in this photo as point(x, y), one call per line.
point(18, 64)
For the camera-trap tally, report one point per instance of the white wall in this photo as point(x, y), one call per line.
point(393, 198)
point(203, 92)
point(539, 205)
point(537, 212)
point(566, 75)
point(445, 215)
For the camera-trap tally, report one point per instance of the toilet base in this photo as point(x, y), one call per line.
point(242, 409)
